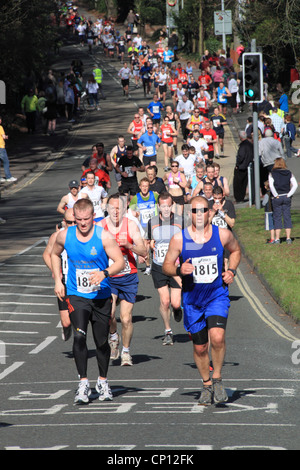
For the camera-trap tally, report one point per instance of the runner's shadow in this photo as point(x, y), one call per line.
point(136, 359)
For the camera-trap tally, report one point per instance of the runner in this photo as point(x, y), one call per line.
point(167, 134)
point(124, 285)
point(144, 206)
point(161, 229)
point(205, 297)
point(149, 143)
point(68, 201)
point(88, 291)
point(127, 166)
point(118, 151)
point(134, 129)
point(68, 220)
point(125, 74)
point(96, 194)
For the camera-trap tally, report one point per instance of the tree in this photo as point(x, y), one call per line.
point(275, 24)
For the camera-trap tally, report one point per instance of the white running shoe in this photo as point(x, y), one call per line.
point(83, 392)
point(12, 179)
point(104, 391)
point(114, 348)
point(2, 221)
point(126, 359)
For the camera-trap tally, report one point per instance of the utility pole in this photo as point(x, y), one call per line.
point(255, 145)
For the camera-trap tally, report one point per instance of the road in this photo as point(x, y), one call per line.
point(155, 405)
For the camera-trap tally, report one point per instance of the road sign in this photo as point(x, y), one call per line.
point(223, 22)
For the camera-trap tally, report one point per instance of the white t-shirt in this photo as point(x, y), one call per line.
point(96, 195)
point(188, 164)
point(184, 109)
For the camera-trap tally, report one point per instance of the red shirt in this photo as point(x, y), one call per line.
point(136, 128)
point(209, 136)
point(183, 78)
point(202, 103)
point(173, 84)
point(100, 176)
point(166, 131)
point(130, 262)
point(204, 80)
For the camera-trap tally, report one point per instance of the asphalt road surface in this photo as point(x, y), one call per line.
point(155, 406)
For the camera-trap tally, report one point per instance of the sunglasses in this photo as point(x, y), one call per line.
point(70, 222)
point(200, 209)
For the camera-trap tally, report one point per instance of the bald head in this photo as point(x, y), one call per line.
point(69, 217)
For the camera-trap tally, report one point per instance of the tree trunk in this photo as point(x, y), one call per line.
point(200, 44)
point(111, 8)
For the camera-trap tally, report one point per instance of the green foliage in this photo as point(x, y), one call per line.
point(152, 15)
point(26, 37)
point(275, 24)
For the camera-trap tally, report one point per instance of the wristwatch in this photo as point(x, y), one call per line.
point(232, 270)
point(106, 273)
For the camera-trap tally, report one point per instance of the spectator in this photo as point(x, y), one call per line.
point(289, 137)
point(243, 159)
point(4, 158)
point(269, 149)
point(29, 105)
point(283, 185)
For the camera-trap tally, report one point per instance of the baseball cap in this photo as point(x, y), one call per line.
point(73, 184)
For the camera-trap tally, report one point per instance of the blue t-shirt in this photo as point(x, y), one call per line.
point(149, 141)
point(168, 56)
point(155, 108)
point(284, 103)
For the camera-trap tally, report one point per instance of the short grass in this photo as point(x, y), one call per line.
point(279, 265)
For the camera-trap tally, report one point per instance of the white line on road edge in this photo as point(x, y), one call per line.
point(261, 311)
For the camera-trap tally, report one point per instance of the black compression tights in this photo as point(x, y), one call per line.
point(100, 328)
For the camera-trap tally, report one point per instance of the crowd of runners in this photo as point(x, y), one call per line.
point(120, 219)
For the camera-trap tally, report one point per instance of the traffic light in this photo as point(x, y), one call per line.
point(253, 82)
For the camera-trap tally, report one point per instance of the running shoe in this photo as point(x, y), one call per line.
point(104, 391)
point(147, 271)
point(177, 314)
point(289, 241)
point(114, 348)
point(168, 339)
point(206, 396)
point(83, 392)
point(12, 179)
point(126, 359)
point(2, 221)
point(220, 395)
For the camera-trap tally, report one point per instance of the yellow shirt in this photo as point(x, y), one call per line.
point(2, 141)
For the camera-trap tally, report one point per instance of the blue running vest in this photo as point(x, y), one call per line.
point(83, 258)
point(206, 283)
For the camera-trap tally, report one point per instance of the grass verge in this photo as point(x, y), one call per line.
point(278, 265)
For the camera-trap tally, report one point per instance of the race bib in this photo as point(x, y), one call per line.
point(161, 251)
point(149, 150)
point(147, 214)
point(83, 281)
point(205, 269)
point(125, 270)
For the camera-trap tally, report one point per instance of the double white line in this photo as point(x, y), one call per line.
point(261, 311)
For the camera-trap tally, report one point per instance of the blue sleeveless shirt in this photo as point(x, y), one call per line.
point(147, 209)
point(206, 283)
point(83, 258)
